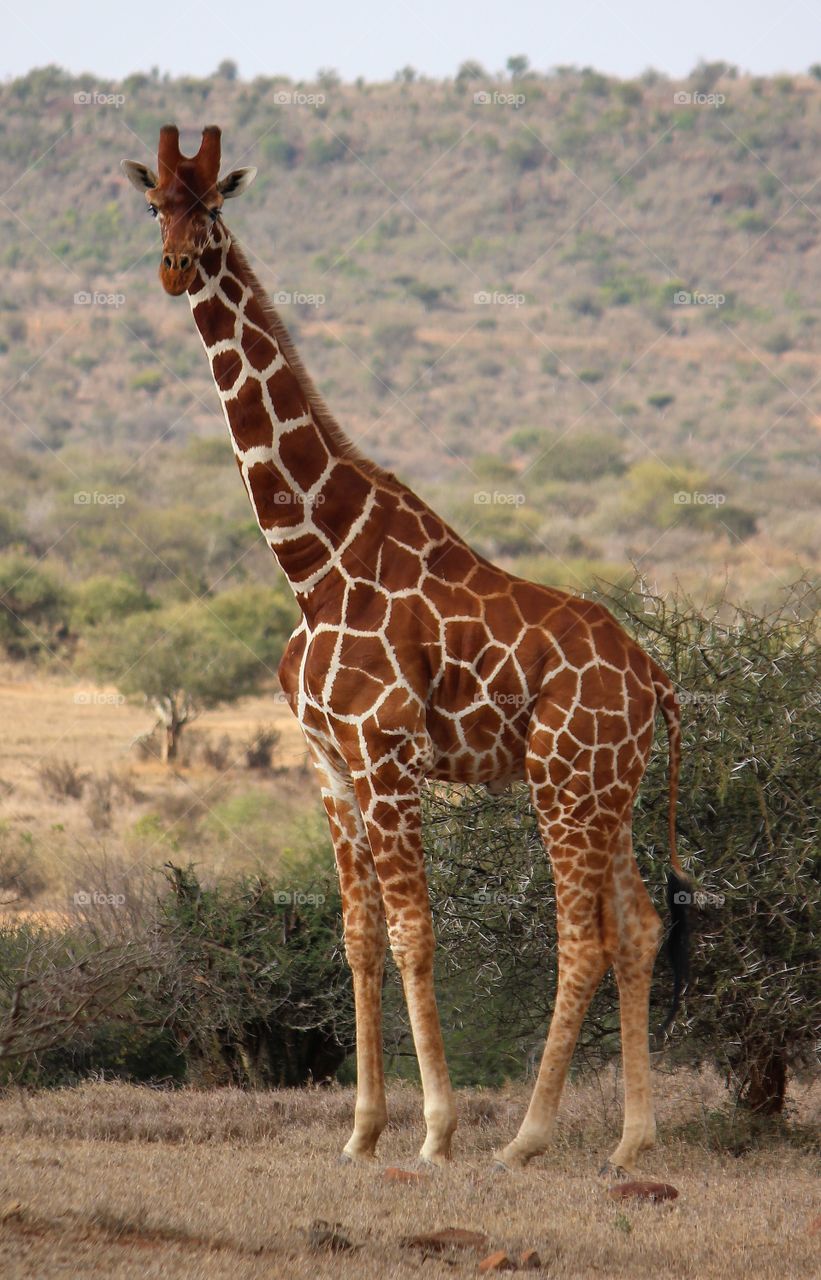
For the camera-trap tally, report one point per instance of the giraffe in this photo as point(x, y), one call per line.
point(416, 659)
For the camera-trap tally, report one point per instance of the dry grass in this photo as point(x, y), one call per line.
point(117, 1181)
point(60, 839)
point(44, 717)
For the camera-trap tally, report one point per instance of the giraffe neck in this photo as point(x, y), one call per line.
point(310, 491)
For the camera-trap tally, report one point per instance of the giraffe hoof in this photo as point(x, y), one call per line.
point(613, 1172)
point(428, 1163)
point(499, 1166)
point(357, 1157)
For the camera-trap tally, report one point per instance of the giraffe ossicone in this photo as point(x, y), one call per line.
point(417, 659)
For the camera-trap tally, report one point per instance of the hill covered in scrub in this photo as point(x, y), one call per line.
point(579, 315)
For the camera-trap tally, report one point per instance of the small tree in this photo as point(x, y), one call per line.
point(517, 66)
point(469, 71)
point(260, 617)
point(179, 662)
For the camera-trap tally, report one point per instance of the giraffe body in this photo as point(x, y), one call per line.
point(416, 659)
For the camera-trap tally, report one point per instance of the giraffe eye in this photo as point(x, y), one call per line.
point(213, 214)
point(152, 209)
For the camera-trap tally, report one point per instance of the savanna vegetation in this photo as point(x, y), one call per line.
point(579, 316)
point(241, 978)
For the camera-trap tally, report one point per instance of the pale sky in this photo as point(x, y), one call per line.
point(374, 38)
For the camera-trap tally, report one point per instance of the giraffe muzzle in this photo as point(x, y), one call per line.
point(177, 270)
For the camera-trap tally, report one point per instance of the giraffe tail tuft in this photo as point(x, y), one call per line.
point(679, 896)
point(679, 886)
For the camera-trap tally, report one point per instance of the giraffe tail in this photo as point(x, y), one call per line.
point(679, 887)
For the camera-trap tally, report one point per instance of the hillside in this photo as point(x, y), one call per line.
point(484, 279)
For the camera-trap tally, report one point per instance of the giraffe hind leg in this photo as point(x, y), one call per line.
point(604, 918)
point(637, 928)
point(583, 962)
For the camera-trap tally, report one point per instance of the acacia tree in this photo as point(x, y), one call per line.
point(748, 829)
point(179, 662)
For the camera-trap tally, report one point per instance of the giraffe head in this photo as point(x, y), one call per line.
point(185, 196)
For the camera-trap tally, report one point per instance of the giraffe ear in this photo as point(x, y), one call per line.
point(236, 182)
point(139, 175)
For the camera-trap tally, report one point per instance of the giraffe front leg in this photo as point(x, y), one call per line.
point(366, 959)
point(365, 945)
point(394, 828)
point(412, 944)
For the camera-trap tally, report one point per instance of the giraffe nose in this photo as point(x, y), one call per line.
point(176, 261)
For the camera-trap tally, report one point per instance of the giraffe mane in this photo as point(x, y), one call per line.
point(322, 414)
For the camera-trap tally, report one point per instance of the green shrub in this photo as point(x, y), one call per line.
point(278, 1001)
point(149, 380)
point(325, 149)
point(240, 983)
point(778, 342)
point(10, 530)
point(279, 150)
point(525, 152)
point(584, 304)
point(755, 223)
point(261, 618)
point(106, 598)
point(662, 495)
point(33, 607)
point(577, 456)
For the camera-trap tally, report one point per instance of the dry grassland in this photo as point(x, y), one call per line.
point(110, 1180)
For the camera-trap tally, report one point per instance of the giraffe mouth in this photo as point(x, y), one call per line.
point(177, 280)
